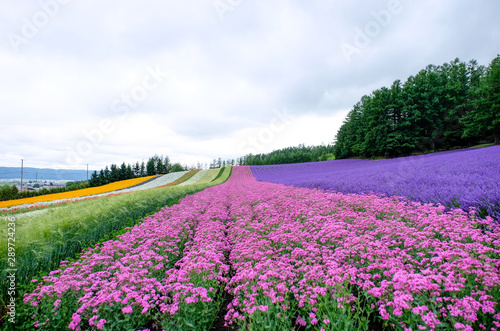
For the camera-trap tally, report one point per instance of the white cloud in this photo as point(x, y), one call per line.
point(224, 79)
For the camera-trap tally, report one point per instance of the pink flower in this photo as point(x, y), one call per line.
point(75, 321)
point(101, 323)
point(300, 321)
point(127, 310)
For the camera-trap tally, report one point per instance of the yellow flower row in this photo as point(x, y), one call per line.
point(77, 193)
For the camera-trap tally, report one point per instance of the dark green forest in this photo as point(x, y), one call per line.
point(156, 165)
point(453, 105)
point(297, 154)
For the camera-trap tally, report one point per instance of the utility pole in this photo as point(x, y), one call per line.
point(87, 171)
point(22, 163)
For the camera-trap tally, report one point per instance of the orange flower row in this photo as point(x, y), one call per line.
point(77, 193)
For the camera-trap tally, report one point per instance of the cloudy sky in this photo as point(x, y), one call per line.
point(101, 82)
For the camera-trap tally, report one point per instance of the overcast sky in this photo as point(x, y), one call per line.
point(101, 82)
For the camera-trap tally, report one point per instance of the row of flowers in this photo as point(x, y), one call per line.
point(195, 178)
point(290, 258)
point(462, 178)
point(126, 186)
point(203, 177)
point(168, 271)
point(330, 261)
point(45, 199)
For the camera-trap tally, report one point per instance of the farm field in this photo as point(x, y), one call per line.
point(46, 237)
point(170, 179)
point(461, 178)
point(77, 193)
point(274, 257)
point(203, 176)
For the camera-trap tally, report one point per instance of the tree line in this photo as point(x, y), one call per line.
point(286, 155)
point(13, 193)
point(453, 105)
point(156, 165)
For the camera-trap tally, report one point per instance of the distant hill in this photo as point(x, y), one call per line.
point(45, 174)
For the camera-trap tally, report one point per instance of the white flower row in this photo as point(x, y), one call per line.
point(157, 182)
point(197, 176)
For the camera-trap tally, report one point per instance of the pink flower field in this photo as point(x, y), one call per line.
point(288, 259)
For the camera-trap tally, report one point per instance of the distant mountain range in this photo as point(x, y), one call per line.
point(43, 174)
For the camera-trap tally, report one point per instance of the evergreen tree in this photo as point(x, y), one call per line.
point(441, 107)
point(94, 179)
point(143, 169)
point(151, 167)
point(122, 172)
point(106, 176)
point(166, 164)
point(137, 169)
point(114, 174)
point(129, 173)
point(103, 179)
point(455, 82)
point(160, 167)
point(486, 115)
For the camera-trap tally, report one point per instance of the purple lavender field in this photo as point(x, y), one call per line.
point(461, 178)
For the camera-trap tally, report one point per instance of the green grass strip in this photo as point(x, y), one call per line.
point(221, 171)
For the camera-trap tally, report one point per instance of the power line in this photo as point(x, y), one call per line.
point(22, 165)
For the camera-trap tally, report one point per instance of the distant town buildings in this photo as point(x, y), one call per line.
point(37, 186)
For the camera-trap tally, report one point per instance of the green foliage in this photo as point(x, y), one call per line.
point(297, 154)
point(177, 167)
point(12, 193)
point(327, 157)
point(453, 105)
point(78, 185)
point(9, 193)
point(156, 165)
point(485, 117)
